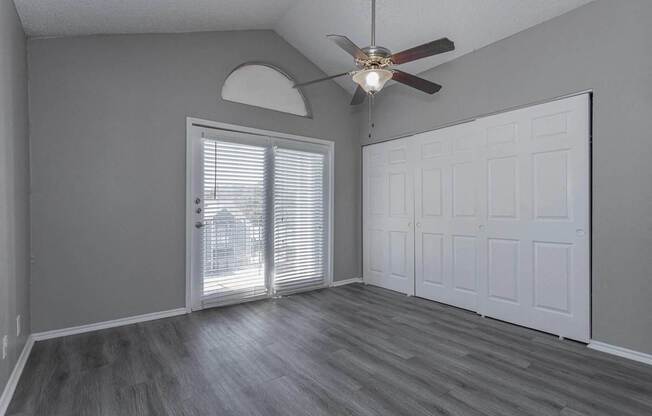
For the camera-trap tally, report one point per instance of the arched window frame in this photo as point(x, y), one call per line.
point(281, 71)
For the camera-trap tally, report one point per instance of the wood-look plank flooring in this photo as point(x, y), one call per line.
point(352, 350)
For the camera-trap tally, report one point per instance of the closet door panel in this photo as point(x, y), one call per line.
point(536, 234)
point(504, 238)
point(447, 214)
point(388, 216)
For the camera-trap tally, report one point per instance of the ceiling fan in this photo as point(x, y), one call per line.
point(374, 64)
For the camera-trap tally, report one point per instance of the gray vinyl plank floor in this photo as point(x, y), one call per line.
point(352, 350)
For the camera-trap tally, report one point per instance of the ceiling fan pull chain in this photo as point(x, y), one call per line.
point(371, 121)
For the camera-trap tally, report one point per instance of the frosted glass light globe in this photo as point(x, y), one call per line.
point(372, 80)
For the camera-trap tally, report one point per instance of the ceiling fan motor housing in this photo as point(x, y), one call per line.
point(379, 57)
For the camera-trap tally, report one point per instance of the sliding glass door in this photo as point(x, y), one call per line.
point(299, 219)
point(259, 216)
point(233, 231)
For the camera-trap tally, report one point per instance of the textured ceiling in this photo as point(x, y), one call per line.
point(85, 17)
point(401, 24)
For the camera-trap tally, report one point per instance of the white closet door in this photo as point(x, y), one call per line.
point(536, 237)
point(501, 216)
point(448, 215)
point(388, 218)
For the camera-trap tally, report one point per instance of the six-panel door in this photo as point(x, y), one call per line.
point(448, 215)
point(536, 239)
point(388, 220)
point(501, 216)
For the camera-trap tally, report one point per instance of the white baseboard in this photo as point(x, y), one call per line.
point(621, 352)
point(346, 282)
point(12, 383)
point(40, 336)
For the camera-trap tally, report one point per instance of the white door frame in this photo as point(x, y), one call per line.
point(191, 123)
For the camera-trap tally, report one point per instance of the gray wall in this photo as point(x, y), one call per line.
point(108, 118)
point(14, 187)
point(605, 46)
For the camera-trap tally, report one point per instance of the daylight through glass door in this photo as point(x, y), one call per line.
point(299, 219)
point(260, 217)
point(234, 230)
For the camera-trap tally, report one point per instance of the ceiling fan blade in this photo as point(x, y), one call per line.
point(350, 47)
point(359, 96)
point(415, 82)
point(303, 84)
point(422, 51)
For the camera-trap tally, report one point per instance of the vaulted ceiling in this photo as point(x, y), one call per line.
point(401, 24)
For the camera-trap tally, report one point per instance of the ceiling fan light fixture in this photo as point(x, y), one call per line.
point(374, 64)
point(372, 80)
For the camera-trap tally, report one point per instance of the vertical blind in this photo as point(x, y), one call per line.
point(235, 189)
point(299, 219)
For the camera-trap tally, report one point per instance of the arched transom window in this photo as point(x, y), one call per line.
point(263, 85)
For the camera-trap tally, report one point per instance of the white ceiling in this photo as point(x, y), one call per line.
point(401, 24)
